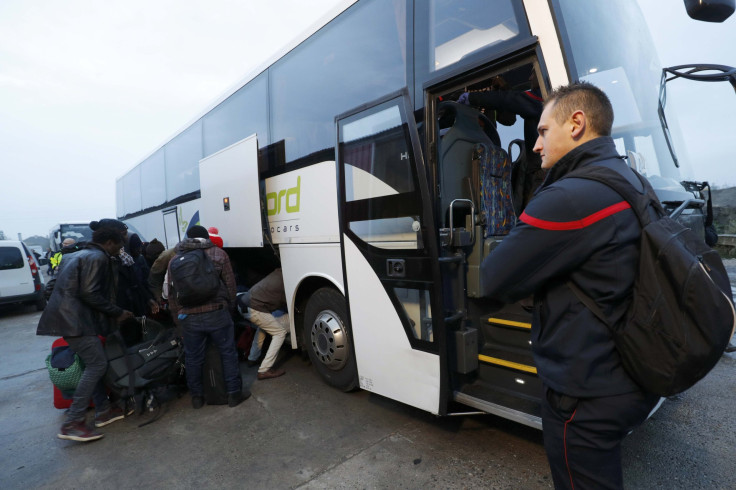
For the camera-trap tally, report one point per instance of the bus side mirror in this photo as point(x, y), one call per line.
point(710, 10)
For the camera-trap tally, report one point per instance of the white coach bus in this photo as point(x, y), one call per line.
point(348, 159)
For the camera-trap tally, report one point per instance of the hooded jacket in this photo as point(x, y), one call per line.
point(581, 231)
point(83, 299)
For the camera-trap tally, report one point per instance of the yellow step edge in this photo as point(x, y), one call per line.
point(508, 364)
point(511, 323)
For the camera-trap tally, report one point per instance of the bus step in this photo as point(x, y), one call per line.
point(514, 373)
point(497, 402)
point(507, 330)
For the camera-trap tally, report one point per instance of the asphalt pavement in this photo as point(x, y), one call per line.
point(296, 432)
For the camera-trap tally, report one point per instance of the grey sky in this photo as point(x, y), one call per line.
point(89, 88)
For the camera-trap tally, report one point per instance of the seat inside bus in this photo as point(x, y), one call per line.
point(473, 166)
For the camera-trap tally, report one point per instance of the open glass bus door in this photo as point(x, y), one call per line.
point(390, 255)
point(171, 227)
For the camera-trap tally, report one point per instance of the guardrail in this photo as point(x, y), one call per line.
point(726, 245)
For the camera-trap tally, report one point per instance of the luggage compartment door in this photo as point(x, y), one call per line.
point(229, 185)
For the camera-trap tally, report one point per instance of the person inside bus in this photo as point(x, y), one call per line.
point(589, 402)
point(267, 297)
point(505, 104)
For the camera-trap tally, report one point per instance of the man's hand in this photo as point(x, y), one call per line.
point(153, 305)
point(124, 316)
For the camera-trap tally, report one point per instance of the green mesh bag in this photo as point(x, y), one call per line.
point(66, 379)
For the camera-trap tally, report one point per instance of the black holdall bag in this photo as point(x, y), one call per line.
point(194, 276)
point(213, 377)
point(682, 315)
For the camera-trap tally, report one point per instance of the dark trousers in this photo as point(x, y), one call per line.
point(92, 384)
point(582, 436)
point(218, 327)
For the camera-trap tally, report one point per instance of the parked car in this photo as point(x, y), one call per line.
point(21, 280)
point(39, 254)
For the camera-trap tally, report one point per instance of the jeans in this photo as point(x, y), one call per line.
point(255, 348)
point(217, 326)
point(92, 384)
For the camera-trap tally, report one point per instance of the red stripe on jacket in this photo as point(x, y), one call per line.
point(577, 224)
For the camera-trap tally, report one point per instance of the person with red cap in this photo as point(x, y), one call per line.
point(214, 236)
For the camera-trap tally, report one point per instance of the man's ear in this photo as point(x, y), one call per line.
point(578, 124)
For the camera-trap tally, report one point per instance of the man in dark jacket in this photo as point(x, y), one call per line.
point(210, 320)
point(81, 308)
point(582, 232)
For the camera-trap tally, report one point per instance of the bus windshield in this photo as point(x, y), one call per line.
point(609, 44)
point(80, 232)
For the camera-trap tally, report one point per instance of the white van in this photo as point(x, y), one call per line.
point(21, 280)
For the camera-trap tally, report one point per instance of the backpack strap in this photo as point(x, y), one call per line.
point(641, 203)
point(589, 303)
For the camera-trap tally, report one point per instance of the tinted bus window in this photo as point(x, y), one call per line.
point(153, 180)
point(243, 113)
point(357, 58)
point(183, 154)
point(458, 28)
point(132, 191)
point(119, 204)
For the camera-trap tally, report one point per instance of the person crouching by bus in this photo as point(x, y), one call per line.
point(211, 320)
point(81, 308)
point(266, 297)
point(575, 231)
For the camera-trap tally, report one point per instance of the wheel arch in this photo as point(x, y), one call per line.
point(304, 290)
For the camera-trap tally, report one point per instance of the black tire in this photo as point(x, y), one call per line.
point(328, 339)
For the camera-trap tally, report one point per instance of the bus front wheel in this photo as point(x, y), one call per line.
point(328, 340)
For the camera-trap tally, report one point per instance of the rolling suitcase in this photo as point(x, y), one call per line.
point(213, 377)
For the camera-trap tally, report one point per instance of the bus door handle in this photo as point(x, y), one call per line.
point(472, 219)
point(458, 315)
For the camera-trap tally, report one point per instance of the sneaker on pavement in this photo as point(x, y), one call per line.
point(271, 373)
point(78, 431)
point(109, 416)
point(197, 402)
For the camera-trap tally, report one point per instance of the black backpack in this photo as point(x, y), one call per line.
point(195, 279)
point(682, 315)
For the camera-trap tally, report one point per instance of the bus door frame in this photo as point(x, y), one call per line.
point(396, 268)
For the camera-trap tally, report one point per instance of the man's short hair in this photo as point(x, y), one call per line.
point(102, 235)
point(586, 97)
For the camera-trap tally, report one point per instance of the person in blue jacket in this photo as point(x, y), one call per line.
point(576, 231)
